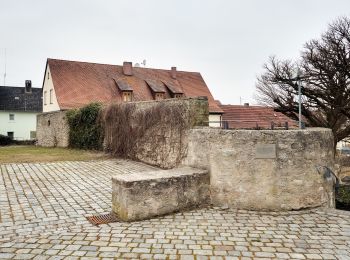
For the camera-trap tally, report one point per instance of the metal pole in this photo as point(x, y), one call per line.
point(299, 90)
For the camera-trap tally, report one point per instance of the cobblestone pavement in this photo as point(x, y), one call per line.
point(43, 208)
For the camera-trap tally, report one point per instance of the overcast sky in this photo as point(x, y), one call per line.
point(227, 41)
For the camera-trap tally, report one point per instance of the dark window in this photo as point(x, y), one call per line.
point(11, 117)
point(10, 134)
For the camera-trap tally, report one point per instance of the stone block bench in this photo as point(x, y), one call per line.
point(144, 195)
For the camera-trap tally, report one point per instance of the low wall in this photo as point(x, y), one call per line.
point(52, 129)
point(264, 170)
point(143, 195)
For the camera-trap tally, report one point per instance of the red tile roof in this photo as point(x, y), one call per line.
point(248, 117)
point(79, 83)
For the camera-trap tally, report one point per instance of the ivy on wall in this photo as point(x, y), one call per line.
point(85, 129)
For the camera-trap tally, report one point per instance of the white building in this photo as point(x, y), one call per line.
point(18, 109)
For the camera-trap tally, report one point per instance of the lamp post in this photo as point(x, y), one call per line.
point(299, 93)
point(298, 82)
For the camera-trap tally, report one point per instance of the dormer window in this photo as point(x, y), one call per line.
point(175, 89)
point(124, 89)
point(159, 96)
point(127, 96)
point(157, 88)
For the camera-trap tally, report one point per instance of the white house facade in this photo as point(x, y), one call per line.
point(19, 107)
point(49, 94)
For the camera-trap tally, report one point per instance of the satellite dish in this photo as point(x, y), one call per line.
point(137, 65)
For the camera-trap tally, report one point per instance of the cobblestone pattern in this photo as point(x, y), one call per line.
point(43, 208)
point(45, 196)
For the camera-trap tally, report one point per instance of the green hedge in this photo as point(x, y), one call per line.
point(85, 129)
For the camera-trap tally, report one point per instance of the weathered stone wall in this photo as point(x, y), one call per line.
point(143, 195)
point(161, 145)
point(164, 142)
point(52, 129)
point(264, 170)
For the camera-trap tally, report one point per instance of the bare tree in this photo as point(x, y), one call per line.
point(325, 76)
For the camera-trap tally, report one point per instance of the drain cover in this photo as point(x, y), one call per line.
point(102, 219)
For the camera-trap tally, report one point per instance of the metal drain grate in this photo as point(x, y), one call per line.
point(103, 219)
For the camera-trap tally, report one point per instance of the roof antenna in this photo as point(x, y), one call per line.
point(5, 69)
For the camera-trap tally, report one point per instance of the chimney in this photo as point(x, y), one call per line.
point(127, 68)
point(173, 72)
point(246, 104)
point(28, 86)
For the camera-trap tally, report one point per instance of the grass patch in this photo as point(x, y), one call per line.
point(31, 153)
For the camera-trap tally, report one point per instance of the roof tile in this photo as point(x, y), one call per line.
point(16, 99)
point(80, 83)
point(254, 116)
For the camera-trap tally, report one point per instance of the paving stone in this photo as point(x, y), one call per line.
point(6, 255)
point(44, 205)
point(297, 256)
point(313, 256)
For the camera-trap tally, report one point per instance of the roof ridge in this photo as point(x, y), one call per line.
point(144, 68)
point(18, 87)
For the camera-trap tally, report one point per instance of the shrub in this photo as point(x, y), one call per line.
point(5, 140)
point(344, 194)
point(85, 130)
point(25, 142)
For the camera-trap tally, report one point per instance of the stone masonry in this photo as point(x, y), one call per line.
point(53, 129)
point(265, 170)
point(143, 195)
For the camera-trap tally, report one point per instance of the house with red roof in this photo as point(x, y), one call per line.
point(73, 84)
point(254, 117)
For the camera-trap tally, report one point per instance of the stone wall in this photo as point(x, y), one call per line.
point(264, 170)
point(52, 129)
point(162, 143)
